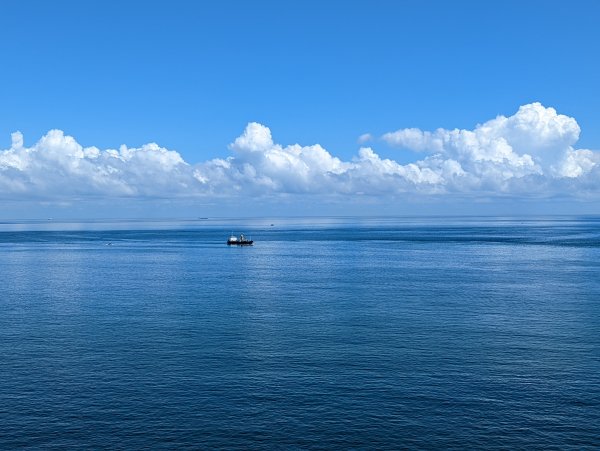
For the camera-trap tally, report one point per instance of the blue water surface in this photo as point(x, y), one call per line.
point(328, 333)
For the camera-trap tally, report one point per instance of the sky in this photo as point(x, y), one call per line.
point(186, 109)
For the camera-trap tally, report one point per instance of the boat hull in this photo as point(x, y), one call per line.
point(240, 243)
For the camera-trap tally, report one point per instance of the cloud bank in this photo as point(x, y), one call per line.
point(529, 154)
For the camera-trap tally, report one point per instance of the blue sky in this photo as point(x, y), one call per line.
point(191, 75)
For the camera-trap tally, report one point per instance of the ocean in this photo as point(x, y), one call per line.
point(328, 333)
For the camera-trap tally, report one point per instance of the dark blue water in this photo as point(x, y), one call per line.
point(327, 334)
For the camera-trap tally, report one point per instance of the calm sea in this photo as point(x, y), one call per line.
point(328, 333)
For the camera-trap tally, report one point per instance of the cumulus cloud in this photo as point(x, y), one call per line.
point(259, 165)
point(57, 166)
point(529, 153)
point(535, 138)
point(534, 145)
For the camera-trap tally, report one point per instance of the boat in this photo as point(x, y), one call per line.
point(241, 241)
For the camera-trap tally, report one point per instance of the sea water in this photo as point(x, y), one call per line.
point(328, 333)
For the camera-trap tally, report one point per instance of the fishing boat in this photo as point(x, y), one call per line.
point(239, 241)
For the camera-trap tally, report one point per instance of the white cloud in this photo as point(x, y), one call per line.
point(535, 142)
point(365, 137)
point(576, 163)
point(528, 154)
point(59, 167)
point(534, 135)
